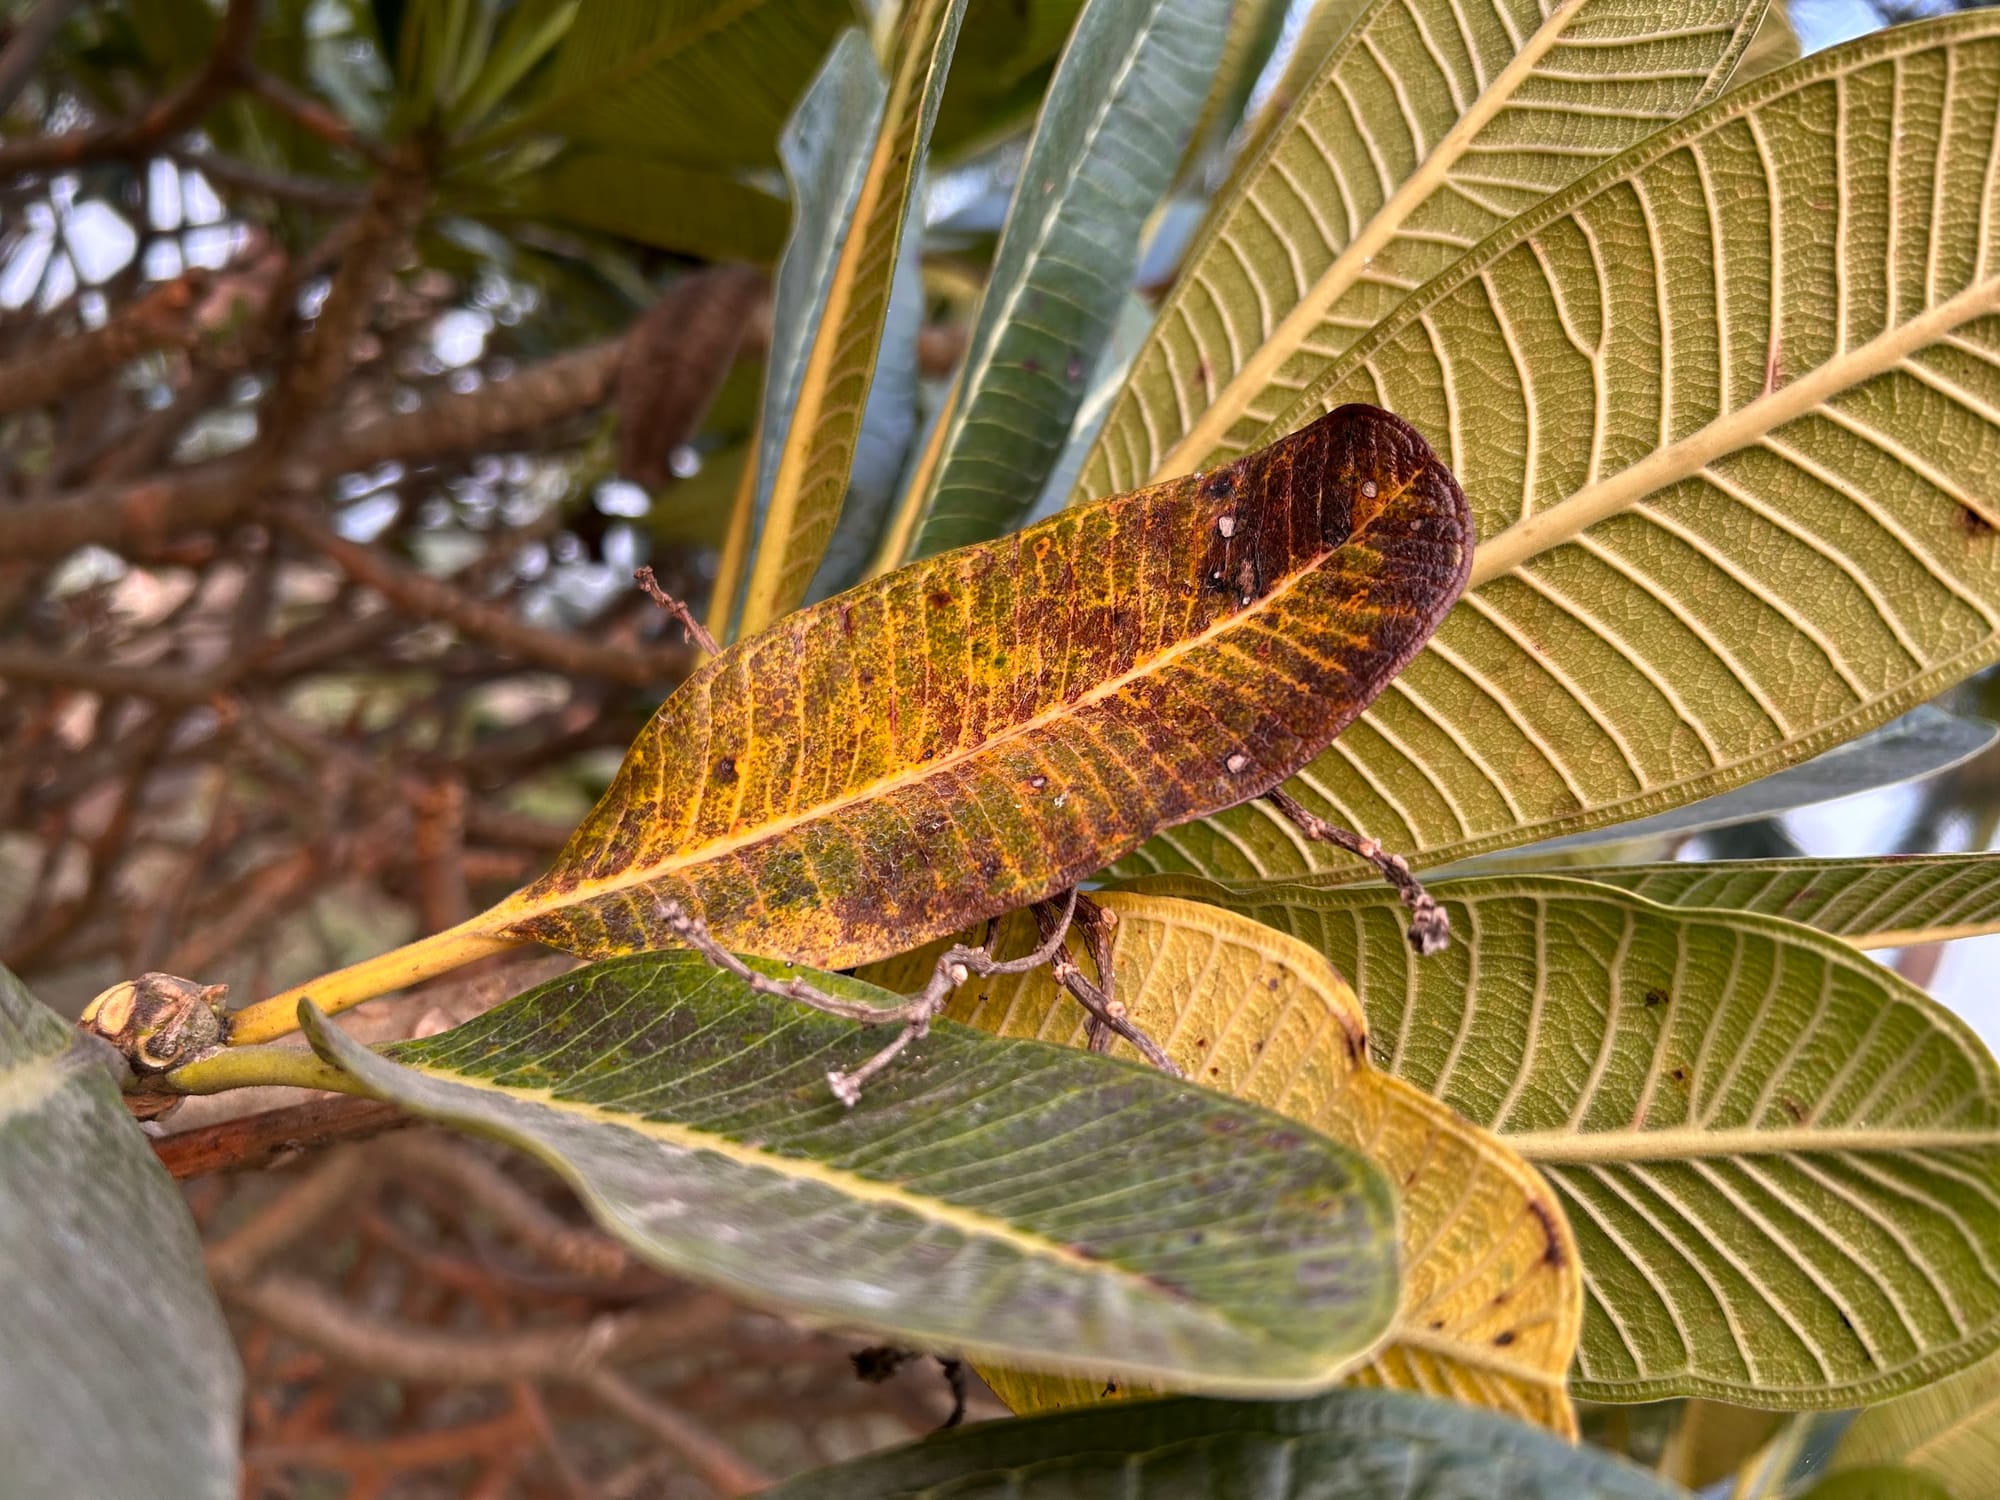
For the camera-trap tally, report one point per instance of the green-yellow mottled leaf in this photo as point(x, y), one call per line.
point(988, 727)
point(1430, 124)
point(1873, 903)
point(1354, 1445)
point(1781, 1160)
point(1729, 425)
point(981, 1197)
point(1492, 1294)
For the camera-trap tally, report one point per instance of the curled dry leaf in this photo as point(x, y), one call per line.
point(987, 727)
point(1492, 1290)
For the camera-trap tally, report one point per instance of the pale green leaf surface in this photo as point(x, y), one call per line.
point(1430, 125)
point(1923, 742)
point(1950, 1431)
point(1111, 133)
point(1354, 1445)
point(1872, 903)
point(1013, 1200)
point(1781, 1161)
point(1128, 332)
point(1746, 514)
point(698, 81)
point(117, 1373)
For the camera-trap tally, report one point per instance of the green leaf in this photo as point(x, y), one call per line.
point(117, 1362)
point(1886, 1482)
point(1775, 46)
point(1781, 1161)
point(1950, 1431)
point(1326, 24)
point(704, 82)
point(1357, 1445)
point(1873, 903)
point(1430, 125)
point(984, 1196)
point(833, 334)
point(1002, 72)
point(1693, 573)
point(891, 424)
point(1920, 743)
point(690, 210)
point(1117, 119)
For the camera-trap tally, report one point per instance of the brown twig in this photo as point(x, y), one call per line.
point(954, 967)
point(479, 1182)
point(168, 117)
point(697, 633)
point(309, 113)
point(164, 318)
point(1430, 927)
point(431, 598)
point(725, 1471)
point(1106, 1014)
point(258, 1140)
point(305, 1203)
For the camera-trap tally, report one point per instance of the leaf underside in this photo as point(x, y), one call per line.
point(114, 1360)
point(1781, 1161)
point(1727, 411)
point(984, 728)
point(1872, 903)
point(985, 1196)
point(1358, 1445)
point(1492, 1292)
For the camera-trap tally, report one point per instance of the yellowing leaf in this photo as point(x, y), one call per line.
point(989, 726)
point(1492, 1291)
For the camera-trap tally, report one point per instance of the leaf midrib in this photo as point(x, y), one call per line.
point(1256, 373)
point(1573, 1148)
point(1568, 518)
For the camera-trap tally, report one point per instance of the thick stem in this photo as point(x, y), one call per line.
point(410, 964)
point(258, 1067)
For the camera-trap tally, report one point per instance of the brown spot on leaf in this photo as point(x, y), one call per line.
point(1973, 524)
point(1552, 1245)
point(1655, 997)
point(1504, 1338)
point(725, 770)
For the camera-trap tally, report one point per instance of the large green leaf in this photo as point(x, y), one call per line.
point(1873, 903)
point(812, 424)
point(116, 1369)
point(696, 211)
point(1111, 133)
point(826, 149)
point(1727, 409)
point(1920, 743)
point(1357, 1445)
point(1950, 1431)
point(1009, 1199)
point(1781, 1161)
point(707, 82)
point(1430, 124)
